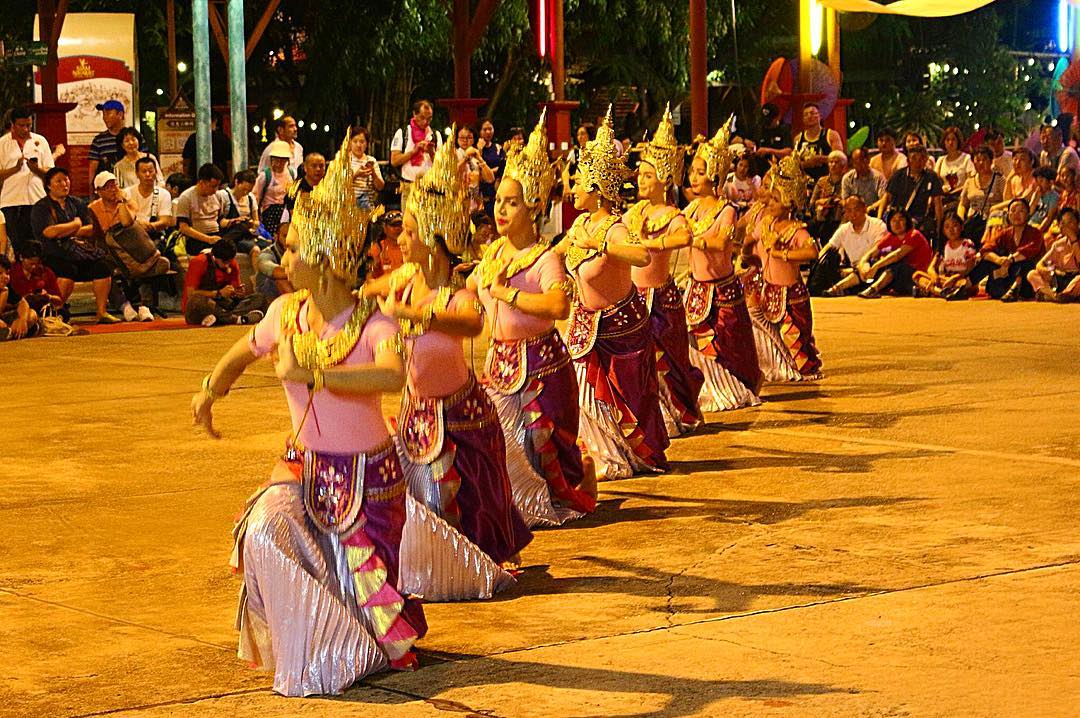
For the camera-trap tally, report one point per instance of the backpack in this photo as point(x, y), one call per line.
point(267, 178)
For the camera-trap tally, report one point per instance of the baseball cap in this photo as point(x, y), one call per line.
point(392, 217)
point(103, 178)
point(111, 105)
point(280, 149)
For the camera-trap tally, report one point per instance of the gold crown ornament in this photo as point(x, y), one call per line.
point(787, 179)
point(717, 155)
point(600, 167)
point(530, 167)
point(331, 229)
point(663, 152)
point(439, 202)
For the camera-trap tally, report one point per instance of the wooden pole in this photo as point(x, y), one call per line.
point(558, 54)
point(170, 24)
point(699, 90)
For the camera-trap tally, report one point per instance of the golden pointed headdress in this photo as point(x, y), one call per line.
point(600, 166)
point(529, 165)
point(717, 155)
point(331, 229)
point(439, 201)
point(787, 179)
point(663, 152)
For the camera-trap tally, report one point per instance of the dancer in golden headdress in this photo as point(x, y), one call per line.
point(662, 229)
point(464, 524)
point(775, 248)
point(318, 544)
point(522, 285)
point(608, 333)
point(721, 334)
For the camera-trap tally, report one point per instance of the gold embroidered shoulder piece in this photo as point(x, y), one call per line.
point(400, 277)
point(576, 256)
point(314, 353)
point(701, 225)
point(492, 263)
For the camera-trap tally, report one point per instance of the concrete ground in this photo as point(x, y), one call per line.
point(897, 540)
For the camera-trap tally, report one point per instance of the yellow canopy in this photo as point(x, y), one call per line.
point(914, 8)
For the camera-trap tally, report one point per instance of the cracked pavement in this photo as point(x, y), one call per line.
point(898, 540)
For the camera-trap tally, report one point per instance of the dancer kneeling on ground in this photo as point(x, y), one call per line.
point(1056, 277)
point(1008, 255)
point(947, 274)
point(213, 292)
point(895, 258)
point(451, 441)
point(522, 286)
point(608, 333)
point(776, 249)
point(318, 545)
point(721, 334)
point(661, 228)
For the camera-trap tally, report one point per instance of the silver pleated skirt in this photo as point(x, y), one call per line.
point(722, 391)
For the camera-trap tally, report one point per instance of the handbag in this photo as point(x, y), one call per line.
point(79, 249)
point(975, 224)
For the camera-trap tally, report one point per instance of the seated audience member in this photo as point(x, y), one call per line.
point(955, 166)
point(742, 186)
point(864, 181)
point(917, 190)
point(272, 184)
point(385, 253)
point(825, 198)
point(947, 274)
point(1056, 277)
point(1008, 255)
point(63, 226)
point(241, 220)
point(176, 183)
point(151, 202)
point(34, 282)
point(895, 258)
point(1044, 205)
point(270, 278)
point(1003, 158)
point(888, 160)
point(1021, 183)
point(1055, 153)
point(851, 242)
point(199, 210)
point(130, 142)
point(1065, 183)
point(17, 319)
point(983, 189)
point(213, 292)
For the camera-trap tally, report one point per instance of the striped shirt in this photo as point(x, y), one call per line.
point(104, 149)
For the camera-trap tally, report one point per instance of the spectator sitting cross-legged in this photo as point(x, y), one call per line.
point(271, 185)
point(199, 210)
point(1044, 205)
point(1056, 277)
point(34, 282)
point(63, 226)
point(948, 271)
point(895, 258)
point(1008, 255)
point(25, 157)
point(213, 293)
point(850, 242)
point(17, 319)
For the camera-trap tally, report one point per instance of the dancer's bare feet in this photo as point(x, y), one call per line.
point(588, 481)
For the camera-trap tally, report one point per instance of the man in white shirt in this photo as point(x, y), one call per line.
point(1003, 162)
point(25, 157)
point(853, 239)
point(286, 130)
point(1056, 155)
point(413, 147)
point(153, 204)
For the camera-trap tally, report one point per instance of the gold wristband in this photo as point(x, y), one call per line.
point(602, 246)
point(512, 296)
point(318, 381)
point(209, 391)
point(427, 316)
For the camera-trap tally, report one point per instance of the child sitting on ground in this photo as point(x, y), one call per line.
point(1045, 202)
point(948, 271)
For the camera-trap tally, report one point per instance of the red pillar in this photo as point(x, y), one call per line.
point(699, 90)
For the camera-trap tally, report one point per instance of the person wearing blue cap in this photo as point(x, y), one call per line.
point(104, 148)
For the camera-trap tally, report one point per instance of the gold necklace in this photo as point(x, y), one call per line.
point(575, 255)
point(313, 352)
point(638, 221)
point(491, 264)
point(701, 226)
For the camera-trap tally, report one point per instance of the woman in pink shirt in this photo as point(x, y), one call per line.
point(661, 228)
point(608, 334)
point(522, 286)
point(318, 544)
point(449, 432)
point(779, 245)
point(1056, 277)
point(722, 337)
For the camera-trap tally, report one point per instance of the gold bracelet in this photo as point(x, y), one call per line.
point(427, 316)
point(214, 396)
point(784, 255)
point(602, 246)
point(512, 295)
point(318, 380)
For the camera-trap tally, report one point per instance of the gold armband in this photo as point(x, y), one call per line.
point(209, 391)
point(318, 381)
point(512, 295)
point(393, 344)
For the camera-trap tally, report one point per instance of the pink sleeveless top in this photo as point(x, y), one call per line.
point(509, 323)
point(336, 423)
point(657, 271)
point(709, 265)
point(603, 280)
point(436, 361)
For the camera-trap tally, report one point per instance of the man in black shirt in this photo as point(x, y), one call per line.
point(917, 189)
point(773, 142)
point(220, 149)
